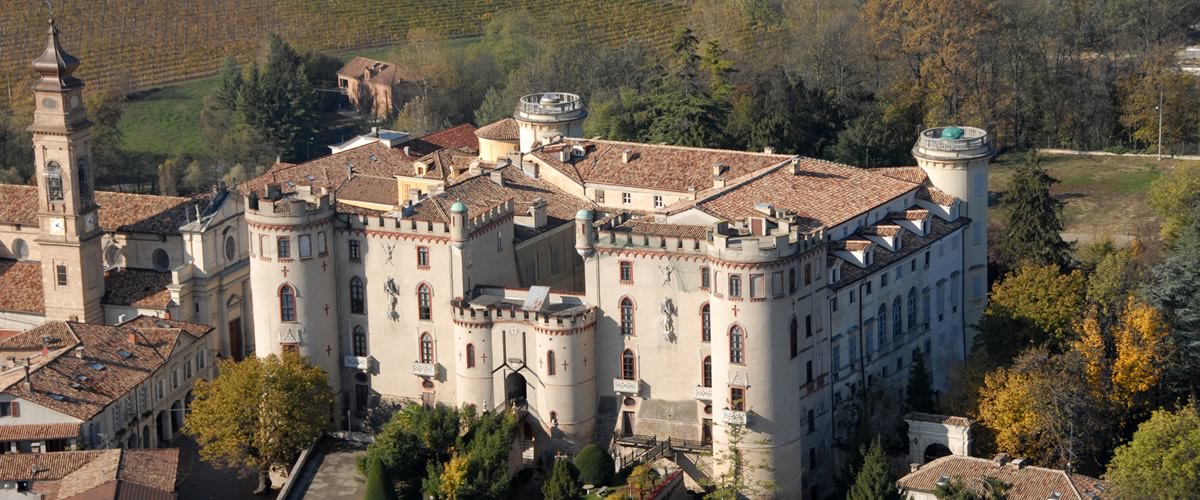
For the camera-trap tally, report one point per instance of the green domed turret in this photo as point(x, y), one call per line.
point(583, 213)
point(458, 207)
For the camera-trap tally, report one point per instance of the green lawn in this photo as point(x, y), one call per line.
point(1105, 195)
point(164, 120)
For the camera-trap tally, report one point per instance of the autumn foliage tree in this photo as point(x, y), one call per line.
point(1163, 459)
point(260, 413)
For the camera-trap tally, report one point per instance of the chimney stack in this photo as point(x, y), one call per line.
point(27, 384)
point(769, 150)
point(794, 166)
point(719, 175)
point(626, 156)
point(497, 177)
point(79, 352)
point(538, 211)
point(133, 338)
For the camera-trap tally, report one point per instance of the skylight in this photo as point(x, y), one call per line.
point(56, 396)
point(124, 354)
point(96, 366)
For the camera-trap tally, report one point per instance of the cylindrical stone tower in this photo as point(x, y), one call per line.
point(544, 115)
point(956, 161)
point(569, 405)
point(473, 371)
point(293, 272)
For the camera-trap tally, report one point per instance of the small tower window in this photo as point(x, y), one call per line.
point(423, 257)
point(287, 304)
point(897, 321)
point(550, 358)
point(54, 184)
point(357, 302)
point(230, 248)
point(355, 251)
point(360, 342)
point(706, 372)
point(912, 308)
point(705, 323)
point(626, 316)
point(735, 285)
point(60, 274)
point(470, 355)
point(426, 348)
point(794, 337)
point(85, 187)
point(628, 369)
point(736, 346)
point(424, 302)
point(162, 260)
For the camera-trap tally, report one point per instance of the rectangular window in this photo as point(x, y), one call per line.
point(305, 246)
point(285, 248)
point(808, 331)
point(361, 393)
point(735, 285)
point(899, 272)
point(812, 421)
point(757, 286)
point(599, 196)
point(355, 251)
point(927, 259)
point(941, 300)
point(322, 248)
point(423, 257)
point(793, 286)
point(867, 290)
point(851, 296)
point(883, 279)
point(626, 198)
point(658, 201)
point(808, 371)
point(869, 338)
point(812, 464)
point(807, 274)
point(912, 265)
point(833, 302)
point(499, 240)
point(626, 271)
point(705, 277)
point(264, 248)
point(60, 274)
point(737, 398)
point(777, 283)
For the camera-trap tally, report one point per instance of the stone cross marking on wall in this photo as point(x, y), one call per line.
point(285, 271)
point(328, 350)
point(484, 356)
point(564, 365)
point(735, 310)
point(323, 264)
point(585, 361)
point(327, 309)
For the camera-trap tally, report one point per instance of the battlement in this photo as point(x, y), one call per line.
point(497, 212)
point(392, 224)
point(763, 239)
point(611, 232)
point(539, 308)
point(299, 204)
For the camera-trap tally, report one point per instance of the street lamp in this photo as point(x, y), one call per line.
point(1159, 108)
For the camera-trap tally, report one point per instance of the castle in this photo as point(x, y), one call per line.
point(610, 292)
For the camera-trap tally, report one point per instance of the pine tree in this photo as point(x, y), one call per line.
point(279, 101)
point(1174, 289)
point(920, 387)
point(231, 84)
point(1032, 219)
point(561, 483)
point(379, 485)
point(874, 481)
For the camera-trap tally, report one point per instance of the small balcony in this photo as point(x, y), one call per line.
point(623, 386)
point(356, 362)
point(703, 393)
point(733, 417)
point(423, 369)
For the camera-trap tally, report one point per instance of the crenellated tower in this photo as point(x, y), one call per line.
point(72, 269)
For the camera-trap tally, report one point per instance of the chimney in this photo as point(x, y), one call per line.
point(407, 151)
point(1001, 459)
point(626, 156)
point(794, 166)
point(718, 175)
point(914, 467)
point(27, 384)
point(79, 352)
point(1020, 463)
point(133, 338)
point(496, 177)
point(692, 192)
point(414, 195)
point(374, 131)
point(769, 150)
point(538, 211)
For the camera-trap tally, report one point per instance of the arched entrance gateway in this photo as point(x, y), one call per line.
point(936, 451)
point(514, 387)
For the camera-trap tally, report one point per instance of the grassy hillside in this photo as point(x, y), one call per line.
point(141, 44)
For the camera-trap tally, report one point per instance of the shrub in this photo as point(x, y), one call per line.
point(595, 465)
point(379, 486)
point(1117, 150)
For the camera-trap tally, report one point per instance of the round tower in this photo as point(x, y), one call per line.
point(754, 380)
point(473, 373)
point(585, 233)
point(295, 306)
point(568, 406)
point(956, 160)
point(458, 224)
point(544, 115)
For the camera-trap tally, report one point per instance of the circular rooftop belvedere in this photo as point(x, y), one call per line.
point(953, 143)
point(550, 107)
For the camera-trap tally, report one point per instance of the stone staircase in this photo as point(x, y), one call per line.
point(527, 457)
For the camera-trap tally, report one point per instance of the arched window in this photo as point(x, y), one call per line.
point(706, 372)
point(360, 341)
point(54, 183)
point(794, 337)
point(85, 190)
point(426, 348)
point(912, 308)
point(705, 324)
point(735, 285)
point(736, 339)
point(897, 320)
point(628, 370)
point(287, 303)
point(424, 302)
point(881, 319)
point(626, 316)
point(357, 304)
point(470, 355)
point(550, 370)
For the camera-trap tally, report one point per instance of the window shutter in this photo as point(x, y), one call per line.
point(16, 409)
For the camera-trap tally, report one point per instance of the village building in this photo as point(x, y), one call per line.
point(376, 81)
point(1023, 480)
point(91, 475)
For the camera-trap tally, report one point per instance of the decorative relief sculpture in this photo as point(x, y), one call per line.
point(666, 316)
point(393, 293)
point(667, 271)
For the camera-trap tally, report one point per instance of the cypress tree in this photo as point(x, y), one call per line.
point(874, 481)
point(561, 483)
point(379, 486)
point(1032, 219)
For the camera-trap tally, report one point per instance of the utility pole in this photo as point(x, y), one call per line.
point(1160, 113)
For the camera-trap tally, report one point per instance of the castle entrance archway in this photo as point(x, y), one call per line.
point(514, 387)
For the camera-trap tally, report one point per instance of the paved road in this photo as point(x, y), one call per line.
point(200, 481)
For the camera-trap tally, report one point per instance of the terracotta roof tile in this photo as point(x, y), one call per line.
point(143, 322)
point(910, 214)
point(647, 226)
point(930, 193)
point(458, 136)
point(824, 193)
point(50, 466)
point(37, 432)
point(119, 212)
point(1028, 482)
point(887, 230)
point(908, 174)
point(503, 130)
point(126, 474)
point(370, 189)
point(852, 245)
point(110, 373)
point(374, 159)
point(138, 288)
point(670, 168)
point(939, 419)
point(154, 468)
point(21, 286)
point(882, 257)
point(383, 73)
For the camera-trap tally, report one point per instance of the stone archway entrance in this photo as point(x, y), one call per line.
point(514, 387)
point(936, 451)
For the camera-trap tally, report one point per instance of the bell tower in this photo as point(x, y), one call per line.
point(72, 269)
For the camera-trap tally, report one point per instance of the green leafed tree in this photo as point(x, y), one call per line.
point(562, 485)
point(1174, 288)
point(279, 101)
point(874, 480)
point(595, 465)
point(1163, 459)
point(869, 141)
point(379, 485)
point(1032, 220)
point(260, 413)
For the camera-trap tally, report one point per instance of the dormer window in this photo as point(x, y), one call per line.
point(54, 184)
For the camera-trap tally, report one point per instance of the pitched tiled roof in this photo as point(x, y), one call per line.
point(938, 419)
point(50, 466)
point(138, 288)
point(1028, 482)
point(670, 168)
point(503, 130)
point(446, 164)
point(21, 286)
point(119, 212)
point(913, 243)
point(81, 383)
point(822, 193)
point(370, 189)
point(150, 474)
point(374, 159)
point(908, 174)
point(383, 73)
point(930, 193)
point(646, 225)
point(481, 193)
point(458, 136)
point(37, 432)
point(143, 322)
